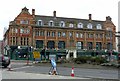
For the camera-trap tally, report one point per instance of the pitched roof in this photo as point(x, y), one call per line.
point(46, 19)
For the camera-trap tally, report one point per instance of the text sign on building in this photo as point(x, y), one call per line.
point(36, 54)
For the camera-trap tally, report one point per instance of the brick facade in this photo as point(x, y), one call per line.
point(58, 32)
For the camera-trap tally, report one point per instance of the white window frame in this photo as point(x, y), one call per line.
point(51, 22)
point(27, 31)
point(59, 34)
point(16, 30)
point(79, 45)
point(39, 23)
point(62, 24)
point(63, 34)
point(48, 34)
point(21, 30)
point(80, 25)
point(70, 34)
point(71, 25)
point(99, 26)
point(24, 22)
point(53, 34)
point(81, 35)
point(77, 35)
point(89, 26)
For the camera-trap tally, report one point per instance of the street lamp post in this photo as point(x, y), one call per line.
point(110, 40)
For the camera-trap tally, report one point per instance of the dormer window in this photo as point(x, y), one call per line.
point(80, 25)
point(62, 24)
point(24, 22)
point(71, 25)
point(89, 26)
point(99, 26)
point(39, 23)
point(51, 23)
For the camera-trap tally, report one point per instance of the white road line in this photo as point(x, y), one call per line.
point(21, 67)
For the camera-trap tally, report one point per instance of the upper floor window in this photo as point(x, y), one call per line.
point(81, 35)
point(14, 30)
point(99, 26)
point(63, 34)
point(53, 34)
point(77, 35)
point(24, 22)
point(62, 24)
point(59, 34)
point(101, 35)
point(70, 34)
point(39, 23)
point(21, 30)
point(97, 35)
point(48, 34)
point(51, 23)
point(71, 25)
point(25, 30)
point(36, 33)
point(90, 35)
point(109, 29)
point(80, 25)
point(89, 26)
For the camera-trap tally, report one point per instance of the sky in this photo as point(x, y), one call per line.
point(99, 9)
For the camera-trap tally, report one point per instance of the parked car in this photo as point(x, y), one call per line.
point(4, 61)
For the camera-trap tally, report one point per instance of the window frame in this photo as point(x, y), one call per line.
point(99, 26)
point(80, 25)
point(24, 21)
point(51, 23)
point(38, 23)
point(71, 25)
point(89, 26)
point(63, 24)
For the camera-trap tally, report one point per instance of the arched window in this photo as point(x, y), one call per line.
point(39, 23)
point(99, 26)
point(80, 25)
point(89, 26)
point(62, 24)
point(51, 23)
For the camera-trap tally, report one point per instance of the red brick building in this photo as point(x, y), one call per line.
point(55, 32)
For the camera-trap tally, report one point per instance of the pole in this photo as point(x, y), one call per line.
point(110, 40)
point(28, 55)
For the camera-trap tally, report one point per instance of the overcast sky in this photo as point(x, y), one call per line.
point(99, 9)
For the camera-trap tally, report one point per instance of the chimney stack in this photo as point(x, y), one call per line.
point(33, 12)
point(90, 16)
point(108, 18)
point(54, 13)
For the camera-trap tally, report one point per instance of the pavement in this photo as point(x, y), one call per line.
point(23, 75)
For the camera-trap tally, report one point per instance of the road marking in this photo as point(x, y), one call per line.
point(21, 67)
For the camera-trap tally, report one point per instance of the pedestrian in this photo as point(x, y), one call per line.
point(54, 67)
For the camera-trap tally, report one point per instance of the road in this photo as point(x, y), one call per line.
point(64, 71)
